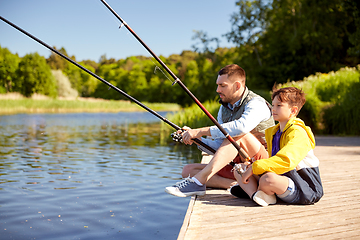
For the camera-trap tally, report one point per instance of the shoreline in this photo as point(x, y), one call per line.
point(17, 105)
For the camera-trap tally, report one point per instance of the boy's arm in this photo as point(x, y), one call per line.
point(297, 145)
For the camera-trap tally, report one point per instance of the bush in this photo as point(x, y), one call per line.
point(332, 101)
point(332, 104)
point(193, 116)
point(344, 116)
point(63, 85)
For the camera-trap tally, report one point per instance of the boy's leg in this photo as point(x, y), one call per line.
point(251, 187)
point(271, 183)
point(261, 194)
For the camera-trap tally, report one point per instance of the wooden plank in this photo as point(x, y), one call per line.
point(187, 218)
point(219, 215)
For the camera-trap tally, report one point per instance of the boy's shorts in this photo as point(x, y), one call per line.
point(226, 171)
point(291, 195)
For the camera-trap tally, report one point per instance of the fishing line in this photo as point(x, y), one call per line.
point(104, 81)
point(241, 151)
point(128, 36)
point(158, 68)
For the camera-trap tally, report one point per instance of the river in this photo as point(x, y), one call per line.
point(89, 176)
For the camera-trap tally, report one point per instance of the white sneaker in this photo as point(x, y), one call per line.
point(264, 199)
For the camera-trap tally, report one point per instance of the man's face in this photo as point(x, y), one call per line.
point(226, 89)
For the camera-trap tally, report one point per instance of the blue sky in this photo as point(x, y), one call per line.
point(88, 30)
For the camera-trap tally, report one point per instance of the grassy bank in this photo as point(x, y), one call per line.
point(332, 101)
point(332, 104)
point(13, 105)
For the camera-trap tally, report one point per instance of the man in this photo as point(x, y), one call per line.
point(245, 116)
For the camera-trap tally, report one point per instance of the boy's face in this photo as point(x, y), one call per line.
point(282, 112)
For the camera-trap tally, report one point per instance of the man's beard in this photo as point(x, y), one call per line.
point(224, 99)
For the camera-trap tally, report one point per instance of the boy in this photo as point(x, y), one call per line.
point(291, 173)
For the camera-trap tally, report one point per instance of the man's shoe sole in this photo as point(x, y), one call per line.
point(181, 194)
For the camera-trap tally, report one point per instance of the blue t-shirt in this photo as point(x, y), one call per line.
point(276, 143)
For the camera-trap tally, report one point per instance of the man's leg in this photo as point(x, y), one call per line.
point(225, 154)
point(215, 181)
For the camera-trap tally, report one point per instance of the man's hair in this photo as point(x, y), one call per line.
point(290, 95)
point(234, 73)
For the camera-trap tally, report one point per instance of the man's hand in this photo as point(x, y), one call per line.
point(190, 134)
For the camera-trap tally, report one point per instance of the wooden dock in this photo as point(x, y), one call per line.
point(219, 215)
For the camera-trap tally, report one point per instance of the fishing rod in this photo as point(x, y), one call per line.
point(175, 137)
point(177, 80)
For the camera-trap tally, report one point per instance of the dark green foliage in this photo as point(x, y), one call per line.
point(56, 62)
point(327, 110)
point(283, 40)
point(276, 42)
point(332, 101)
point(34, 76)
point(8, 65)
point(193, 116)
point(344, 116)
point(309, 113)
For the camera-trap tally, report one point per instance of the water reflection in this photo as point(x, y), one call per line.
point(86, 164)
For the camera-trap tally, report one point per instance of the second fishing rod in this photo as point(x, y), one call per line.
point(107, 83)
point(241, 151)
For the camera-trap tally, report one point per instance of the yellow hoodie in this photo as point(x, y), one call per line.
point(296, 149)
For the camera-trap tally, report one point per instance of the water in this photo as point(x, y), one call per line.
point(89, 176)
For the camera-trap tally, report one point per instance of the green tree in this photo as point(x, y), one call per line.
point(74, 75)
point(137, 83)
point(88, 83)
point(293, 39)
point(249, 24)
point(115, 75)
point(34, 76)
point(57, 62)
point(8, 65)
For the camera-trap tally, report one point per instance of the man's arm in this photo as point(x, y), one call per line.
point(256, 111)
point(200, 132)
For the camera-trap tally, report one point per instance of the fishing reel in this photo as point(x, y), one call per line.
point(240, 169)
point(177, 137)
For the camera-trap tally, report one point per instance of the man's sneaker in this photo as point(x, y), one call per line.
point(186, 188)
point(237, 191)
point(264, 199)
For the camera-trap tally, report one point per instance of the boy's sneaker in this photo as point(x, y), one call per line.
point(264, 199)
point(186, 188)
point(237, 191)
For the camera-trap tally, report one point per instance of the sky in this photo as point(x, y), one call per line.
point(88, 30)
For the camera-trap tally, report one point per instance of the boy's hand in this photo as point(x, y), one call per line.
point(247, 174)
